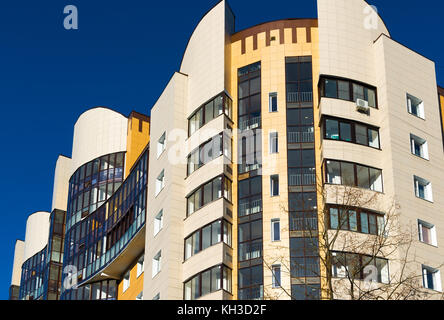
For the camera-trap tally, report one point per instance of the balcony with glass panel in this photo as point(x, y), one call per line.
point(301, 176)
point(299, 97)
point(250, 206)
point(250, 123)
point(300, 134)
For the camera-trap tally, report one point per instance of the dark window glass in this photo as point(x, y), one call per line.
point(346, 134)
point(331, 88)
point(331, 129)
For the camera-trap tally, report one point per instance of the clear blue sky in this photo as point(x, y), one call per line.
point(122, 56)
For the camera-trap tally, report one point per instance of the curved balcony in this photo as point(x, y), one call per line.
point(33, 272)
point(111, 237)
point(92, 184)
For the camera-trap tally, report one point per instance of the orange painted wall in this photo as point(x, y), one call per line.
point(135, 287)
point(137, 138)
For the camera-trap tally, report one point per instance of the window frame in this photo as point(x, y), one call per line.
point(126, 280)
point(140, 265)
point(201, 190)
point(158, 223)
point(157, 263)
point(352, 84)
point(436, 274)
point(355, 177)
point(162, 145)
point(227, 110)
point(223, 223)
point(423, 146)
point(275, 222)
point(359, 214)
point(353, 126)
point(273, 141)
point(274, 186)
point(432, 233)
point(272, 96)
point(428, 189)
point(420, 106)
point(276, 281)
point(222, 267)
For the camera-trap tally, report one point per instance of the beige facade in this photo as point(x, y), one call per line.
point(97, 132)
point(62, 175)
point(37, 231)
point(19, 250)
point(348, 41)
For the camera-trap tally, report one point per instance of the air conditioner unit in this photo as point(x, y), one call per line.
point(362, 106)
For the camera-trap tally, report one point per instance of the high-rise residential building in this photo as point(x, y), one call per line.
point(290, 160)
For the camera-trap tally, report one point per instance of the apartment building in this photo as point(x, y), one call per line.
point(265, 145)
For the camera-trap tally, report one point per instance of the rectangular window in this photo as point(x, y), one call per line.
point(350, 131)
point(431, 278)
point(274, 143)
point(340, 89)
point(156, 297)
point(275, 230)
point(126, 281)
point(415, 106)
point(161, 145)
point(423, 189)
point(351, 174)
point(210, 110)
point(276, 276)
point(140, 265)
point(156, 264)
point(427, 233)
point(419, 147)
point(273, 105)
point(160, 182)
point(158, 222)
point(140, 296)
point(274, 185)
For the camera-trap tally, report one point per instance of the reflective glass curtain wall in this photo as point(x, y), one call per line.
point(101, 236)
point(304, 251)
point(250, 185)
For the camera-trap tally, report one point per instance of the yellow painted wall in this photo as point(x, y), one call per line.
point(135, 287)
point(273, 80)
point(136, 139)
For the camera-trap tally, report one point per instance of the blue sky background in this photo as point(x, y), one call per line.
point(121, 57)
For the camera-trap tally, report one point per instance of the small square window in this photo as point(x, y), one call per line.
point(140, 265)
point(273, 102)
point(161, 145)
point(274, 142)
point(427, 233)
point(156, 297)
point(423, 189)
point(140, 296)
point(275, 230)
point(419, 147)
point(157, 263)
point(126, 281)
point(160, 182)
point(274, 185)
point(431, 278)
point(415, 106)
point(276, 276)
point(158, 222)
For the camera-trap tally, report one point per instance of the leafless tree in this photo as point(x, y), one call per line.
point(354, 265)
